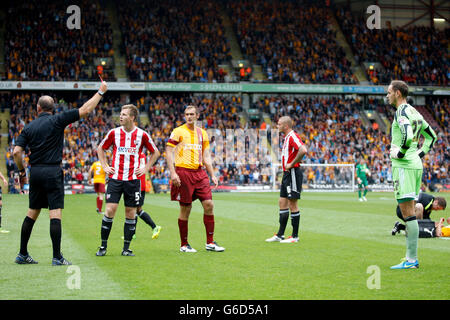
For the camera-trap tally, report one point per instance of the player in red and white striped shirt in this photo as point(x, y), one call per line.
point(127, 141)
point(291, 185)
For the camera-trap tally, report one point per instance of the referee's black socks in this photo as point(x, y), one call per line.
point(55, 235)
point(25, 233)
point(106, 230)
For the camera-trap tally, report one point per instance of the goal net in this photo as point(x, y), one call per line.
point(321, 177)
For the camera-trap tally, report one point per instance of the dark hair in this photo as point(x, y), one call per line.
point(46, 103)
point(441, 202)
point(398, 85)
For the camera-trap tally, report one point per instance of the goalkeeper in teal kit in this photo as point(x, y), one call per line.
point(407, 127)
point(361, 177)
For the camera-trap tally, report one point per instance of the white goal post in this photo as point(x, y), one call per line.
point(321, 177)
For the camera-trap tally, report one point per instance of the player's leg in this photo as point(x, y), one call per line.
point(37, 199)
point(55, 195)
point(398, 226)
point(295, 220)
point(360, 187)
point(183, 221)
point(100, 196)
point(129, 229)
point(131, 197)
point(406, 188)
point(27, 227)
point(208, 221)
point(283, 208)
point(2, 230)
point(294, 192)
point(114, 193)
point(141, 213)
point(366, 189)
point(283, 205)
point(418, 211)
point(55, 235)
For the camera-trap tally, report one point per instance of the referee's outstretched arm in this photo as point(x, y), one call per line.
point(93, 102)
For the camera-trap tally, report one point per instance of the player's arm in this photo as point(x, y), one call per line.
point(90, 105)
point(18, 159)
point(151, 161)
point(150, 145)
point(5, 182)
point(300, 154)
point(430, 138)
point(90, 174)
point(406, 130)
point(170, 159)
point(102, 158)
point(208, 165)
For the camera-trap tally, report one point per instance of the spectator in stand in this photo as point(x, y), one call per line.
point(40, 47)
point(416, 54)
point(175, 40)
point(292, 41)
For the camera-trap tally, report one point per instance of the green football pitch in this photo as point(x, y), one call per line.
point(345, 251)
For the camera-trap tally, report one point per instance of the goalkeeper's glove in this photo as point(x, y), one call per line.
point(396, 152)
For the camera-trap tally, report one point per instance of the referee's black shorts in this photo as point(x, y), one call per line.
point(46, 187)
point(291, 184)
point(131, 191)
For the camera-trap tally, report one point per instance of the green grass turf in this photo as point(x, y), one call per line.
point(340, 238)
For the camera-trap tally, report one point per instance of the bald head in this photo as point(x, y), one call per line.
point(46, 103)
point(285, 124)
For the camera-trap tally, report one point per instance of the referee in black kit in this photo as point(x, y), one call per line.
point(44, 136)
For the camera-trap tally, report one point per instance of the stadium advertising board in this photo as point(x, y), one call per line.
point(241, 87)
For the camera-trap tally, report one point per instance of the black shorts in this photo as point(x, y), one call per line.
point(427, 228)
point(130, 190)
point(291, 184)
point(142, 199)
point(46, 187)
point(426, 215)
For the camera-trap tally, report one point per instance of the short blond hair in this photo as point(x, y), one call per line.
point(287, 120)
point(134, 111)
point(191, 107)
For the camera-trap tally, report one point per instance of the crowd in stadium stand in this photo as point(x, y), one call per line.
point(174, 41)
point(416, 54)
point(40, 46)
point(292, 40)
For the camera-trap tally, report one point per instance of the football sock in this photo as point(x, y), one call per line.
point(295, 221)
point(105, 230)
point(27, 227)
point(401, 227)
point(0, 216)
point(146, 217)
point(359, 193)
point(284, 217)
point(365, 192)
point(183, 227)
point(412, 238)
point(208, 220)
point(55, 235)
point(129, 228)
point(99, 204)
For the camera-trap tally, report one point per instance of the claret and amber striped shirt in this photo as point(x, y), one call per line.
point(189, 146)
